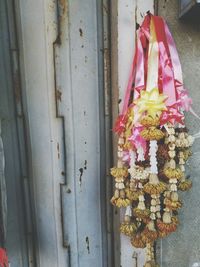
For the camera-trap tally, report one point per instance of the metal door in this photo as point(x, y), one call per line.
point(19, 240)
point(61, 57)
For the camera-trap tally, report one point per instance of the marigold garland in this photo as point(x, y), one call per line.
point(153, 145)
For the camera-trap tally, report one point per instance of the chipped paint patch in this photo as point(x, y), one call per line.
point(87, 244)
point(58, 95)
point(58, 150)
point(81, 32)
point(80, 176)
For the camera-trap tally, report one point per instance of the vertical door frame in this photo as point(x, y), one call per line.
point(104, 21)
point(21, 125)
point(124, 16)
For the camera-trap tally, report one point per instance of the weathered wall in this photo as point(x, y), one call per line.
point(129, 12)
point(183, 247)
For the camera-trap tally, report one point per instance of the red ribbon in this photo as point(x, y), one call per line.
point(170, 81)
point(136, 139)
point(3, 258)
point(120, 124)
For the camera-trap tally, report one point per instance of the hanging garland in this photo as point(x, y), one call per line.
point(154, 143)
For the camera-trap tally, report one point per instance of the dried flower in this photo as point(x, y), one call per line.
point(137, 241)
point(148, 121)
point(119, 172)
point(155, 189)
point(167, 228)
point(185, 185)
point(152, 133)
point(173, 173)
point(128, 228)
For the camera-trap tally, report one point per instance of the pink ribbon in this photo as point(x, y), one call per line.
point(139, 75)
point(172, 115)
point(170, 81)
point(120, 124)
point(126, 156)
point(174, 58)
point(166, 76)
point(184, 101)
point(136, 139)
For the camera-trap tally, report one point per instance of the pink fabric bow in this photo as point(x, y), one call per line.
point(136, 139)
point(120, 124)
point(172, 115)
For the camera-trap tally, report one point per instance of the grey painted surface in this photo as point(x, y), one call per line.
point(17, 232)
point(79, 85)
point(62, 80)
point(182, 249)
point(3, 195)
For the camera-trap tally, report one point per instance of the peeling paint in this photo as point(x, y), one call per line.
point(85, 165)
point(62, 17)
point(81, 32)
point(135, 257)
point(80, 177)
point(87, 244)
point(69, 190)
point(58, 150)
point(58, 95)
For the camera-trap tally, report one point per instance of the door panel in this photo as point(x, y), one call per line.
point(61, 48)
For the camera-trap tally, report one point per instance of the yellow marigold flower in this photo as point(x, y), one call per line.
point(148, 121)
point(128, 228)
point(173, 173)
point(119, 172)
point(155, 189)
point(185, 185)
point(152, 133)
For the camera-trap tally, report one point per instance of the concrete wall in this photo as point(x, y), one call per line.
point(183, 247)
point(129, 12)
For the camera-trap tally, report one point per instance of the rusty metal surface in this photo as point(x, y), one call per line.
point(79, 80)
point(182, 249)
point(63, 62)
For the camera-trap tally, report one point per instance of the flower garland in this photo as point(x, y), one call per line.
point(154, 143)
